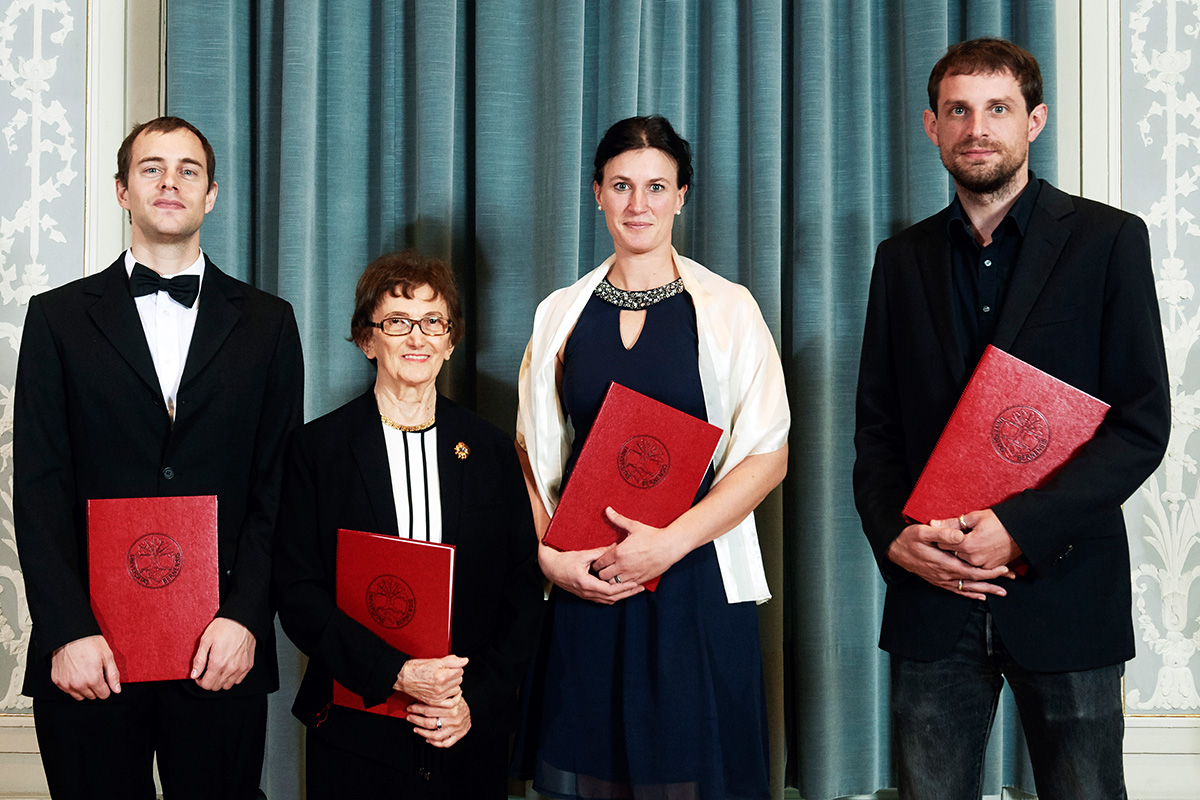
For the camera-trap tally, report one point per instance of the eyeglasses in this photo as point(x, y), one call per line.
point(402, 326)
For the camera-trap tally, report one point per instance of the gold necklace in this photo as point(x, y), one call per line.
point(408, 428)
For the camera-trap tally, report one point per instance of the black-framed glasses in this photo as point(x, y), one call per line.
point(402, 326)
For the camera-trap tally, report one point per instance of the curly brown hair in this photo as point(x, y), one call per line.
point(401, 274)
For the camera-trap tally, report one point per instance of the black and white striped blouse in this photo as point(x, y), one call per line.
point(412, 460)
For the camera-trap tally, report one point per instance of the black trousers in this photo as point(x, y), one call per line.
point(209, 747)
point(471, 769)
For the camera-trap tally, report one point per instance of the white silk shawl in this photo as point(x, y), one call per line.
point(744, 395)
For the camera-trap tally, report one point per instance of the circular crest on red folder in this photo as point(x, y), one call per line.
point(643, 461)
point(155, 560)
point(390, 601)
point(1020, 434)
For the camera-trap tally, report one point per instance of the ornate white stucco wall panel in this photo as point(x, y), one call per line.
point(42, 111)
point(1160, 162)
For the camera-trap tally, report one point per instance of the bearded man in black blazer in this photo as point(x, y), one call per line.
point(1035, 590)
point(160, 376)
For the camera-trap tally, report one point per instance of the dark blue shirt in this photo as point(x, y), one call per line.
point(980, 275)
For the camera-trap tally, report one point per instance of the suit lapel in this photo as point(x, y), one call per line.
point(116, 315)
point(370, 454)
point(933, 265)
point(450, 467)
point(219, 312)
point(1044, 241)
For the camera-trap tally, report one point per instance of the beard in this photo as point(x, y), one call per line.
point(985, 179)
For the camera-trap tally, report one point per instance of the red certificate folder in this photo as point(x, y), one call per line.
point(402, 590)
point(1013, 427)
point(643, 458)
point(152, 575)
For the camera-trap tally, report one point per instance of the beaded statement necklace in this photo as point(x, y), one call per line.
point(636, 301)
point(409, 428)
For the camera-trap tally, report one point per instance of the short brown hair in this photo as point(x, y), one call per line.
point(988, 56)
point(163, 125)
point(400, 274)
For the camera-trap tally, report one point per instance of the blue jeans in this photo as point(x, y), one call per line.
point(942, 712)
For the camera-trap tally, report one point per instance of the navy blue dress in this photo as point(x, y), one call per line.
point(660, 695)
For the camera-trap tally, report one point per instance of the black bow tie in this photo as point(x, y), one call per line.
point(182, 288)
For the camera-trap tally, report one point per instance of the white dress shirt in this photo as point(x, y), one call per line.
point(168, 325)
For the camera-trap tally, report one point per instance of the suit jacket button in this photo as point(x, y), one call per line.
point(168, 473)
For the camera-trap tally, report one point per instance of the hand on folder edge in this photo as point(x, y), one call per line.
point(572, 570)
point(642, 554)
point(85, 669)
point(431, 680)
point(224, 656)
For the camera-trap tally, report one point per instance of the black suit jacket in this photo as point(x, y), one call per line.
point(1081, 305)
point(89, 422)
point(337, 476)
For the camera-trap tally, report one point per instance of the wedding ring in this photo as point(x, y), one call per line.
point(959, 588)
point(617, 579)
point(962, 521)
point(439, 719)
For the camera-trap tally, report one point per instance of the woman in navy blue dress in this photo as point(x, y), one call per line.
point(659, 694)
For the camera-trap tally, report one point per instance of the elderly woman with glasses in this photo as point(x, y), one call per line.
point(403, 460)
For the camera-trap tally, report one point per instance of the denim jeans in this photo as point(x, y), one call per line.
point(942, 712)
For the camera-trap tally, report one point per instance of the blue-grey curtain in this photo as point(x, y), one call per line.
point(346, 128)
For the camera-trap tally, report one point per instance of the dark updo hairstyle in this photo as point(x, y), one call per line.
point(639, 133)
point(400, 275)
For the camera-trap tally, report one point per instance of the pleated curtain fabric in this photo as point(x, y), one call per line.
point(347, 128)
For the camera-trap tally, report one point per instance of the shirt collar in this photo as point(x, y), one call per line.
point(1019, 212)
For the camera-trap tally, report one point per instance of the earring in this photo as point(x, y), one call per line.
point(599, 208)
point(678, 212)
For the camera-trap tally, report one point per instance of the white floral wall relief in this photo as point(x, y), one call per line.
point(1160, 168)
point(42, 112)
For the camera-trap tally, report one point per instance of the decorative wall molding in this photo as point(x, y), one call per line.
point(42, 78)
point(68, 92)
point(1160, 151)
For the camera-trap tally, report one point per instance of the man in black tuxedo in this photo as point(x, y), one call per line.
point(1035, 590)
point(160, 376)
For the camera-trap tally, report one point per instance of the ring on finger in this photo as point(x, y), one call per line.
point(959, 588)
point(617, 579)
point(439, 719)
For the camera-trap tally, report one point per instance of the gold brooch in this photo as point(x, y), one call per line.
point(462, 451)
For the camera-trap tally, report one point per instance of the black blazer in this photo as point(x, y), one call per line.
point(1081, 305)
point(89, 421)
point(337, 476)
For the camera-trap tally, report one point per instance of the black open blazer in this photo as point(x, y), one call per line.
point(1081, 305)
point(90, 422)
